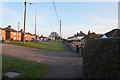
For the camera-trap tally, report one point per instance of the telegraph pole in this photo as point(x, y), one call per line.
point(35, 25)
point(60, 30)
point(18, 29)
point(35, 21)
point(24, 22)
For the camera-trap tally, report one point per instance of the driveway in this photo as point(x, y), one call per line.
point(60, 64)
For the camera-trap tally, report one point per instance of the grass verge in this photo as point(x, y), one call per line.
point(26, 68)
point(51, 46)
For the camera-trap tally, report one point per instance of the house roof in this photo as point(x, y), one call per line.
point(78, 34)
point(1, 28)
point(42, 36)
point(29, 33)
point(113, 33)
point(93, 34)
point(81, 34)
point(10, 29)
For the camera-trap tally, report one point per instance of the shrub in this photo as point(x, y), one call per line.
point(11, 39)
point(101, 58)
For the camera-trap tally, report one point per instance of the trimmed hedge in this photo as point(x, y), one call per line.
point(101, 58)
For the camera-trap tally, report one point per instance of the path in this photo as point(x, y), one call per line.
point(61, 64)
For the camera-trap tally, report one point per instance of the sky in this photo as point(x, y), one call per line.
point(98, 17)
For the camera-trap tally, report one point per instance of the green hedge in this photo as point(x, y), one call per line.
point(101, 58)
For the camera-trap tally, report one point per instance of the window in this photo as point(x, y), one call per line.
point(14, 33)
point(18, 38)
point(3, 32)
point(14, 38)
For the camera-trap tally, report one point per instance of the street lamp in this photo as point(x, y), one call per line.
point(35, 19)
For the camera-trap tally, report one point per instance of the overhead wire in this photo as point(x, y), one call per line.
point(55, 10)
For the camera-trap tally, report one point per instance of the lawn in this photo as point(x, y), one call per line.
point(26, 68)
point(51, 46)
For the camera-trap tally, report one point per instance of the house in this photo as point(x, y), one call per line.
point(38, 38)
point(42, 38)
point(32, 37)
point(27, 36)
point(2, 34)
point(12, 34)
point(80, 35)
point(90, 36)
point(77, 36)
point(115, 33)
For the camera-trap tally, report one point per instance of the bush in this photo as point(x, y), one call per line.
point(11, 39)
point(101, 58)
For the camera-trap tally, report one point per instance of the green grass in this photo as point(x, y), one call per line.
point(26, 68)
point(51, 46)
point(0, 66)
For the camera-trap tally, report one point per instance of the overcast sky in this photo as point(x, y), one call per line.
point(99, 17)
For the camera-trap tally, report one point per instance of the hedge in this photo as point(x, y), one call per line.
point(101, 58)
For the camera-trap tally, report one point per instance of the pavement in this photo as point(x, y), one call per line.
point(60, 64)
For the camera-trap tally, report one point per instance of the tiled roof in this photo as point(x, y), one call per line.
point(113, 33)
point(81, 34)
point(10, 29)
point(93, 34)
point(1, 28)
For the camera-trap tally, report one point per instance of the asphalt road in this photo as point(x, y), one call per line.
point(60, 64)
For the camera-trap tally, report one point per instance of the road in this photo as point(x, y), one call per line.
point(60, 64)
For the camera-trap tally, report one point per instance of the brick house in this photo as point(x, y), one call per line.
point(2, 34)
point(27, 35)
point(32, 37)
point(12, 34)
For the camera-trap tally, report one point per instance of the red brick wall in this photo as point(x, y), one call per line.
point(15, 36)
point(3, 34)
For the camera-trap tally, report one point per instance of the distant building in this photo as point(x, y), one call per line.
point(77, 36)
point(115, 33)
point(12, 34)
point(32, 37)
point(2, 34)
point(38, 38)
point(28, 36)
point(42, 38)
point(80, 35)
point(90, 36)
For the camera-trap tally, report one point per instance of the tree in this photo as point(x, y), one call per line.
point(54, 36)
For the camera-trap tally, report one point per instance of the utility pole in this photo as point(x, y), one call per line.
point(35, 24)
point(60, 30)
point(18, 29)
point(24, 22)
point(35, 20)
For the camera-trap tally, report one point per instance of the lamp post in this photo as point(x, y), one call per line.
point(35, 20)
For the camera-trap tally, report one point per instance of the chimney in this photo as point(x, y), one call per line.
point(21, 30)
point(9, 26)
point(80, 31)
point(77, 33)
point(88, 32)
